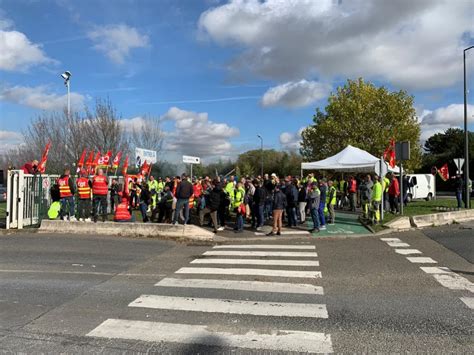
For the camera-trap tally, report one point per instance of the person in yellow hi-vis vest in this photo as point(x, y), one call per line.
point(331, 202)
point(385, 182)
point(377, 192)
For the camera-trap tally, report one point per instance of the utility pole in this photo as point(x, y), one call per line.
point(466, 137)
point(261, 155)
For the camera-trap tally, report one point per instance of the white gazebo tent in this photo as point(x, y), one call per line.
point(352, 159)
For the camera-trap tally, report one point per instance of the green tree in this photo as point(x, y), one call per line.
point(365, 116)
point(278, 162)
point(442, 148)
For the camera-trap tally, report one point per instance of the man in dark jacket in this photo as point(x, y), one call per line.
point(291, 193)
point(214, 202)
point(258, 205)
point(279, 205)
point(183, 193)
point(145, 200)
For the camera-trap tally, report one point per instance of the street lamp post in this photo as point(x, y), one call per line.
point(466, 136)
point(66, 76)
point(261, 153)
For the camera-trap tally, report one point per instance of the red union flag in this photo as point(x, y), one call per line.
point(80, 163)
point(125, 166)
point(44, 158)
point(444, 172)
point(390, 153)
point(116, 162)
point(104, 160)
point(145, 169)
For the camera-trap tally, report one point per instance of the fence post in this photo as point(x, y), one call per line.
point(21, 190)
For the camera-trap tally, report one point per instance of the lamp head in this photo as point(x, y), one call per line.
point(66, 75)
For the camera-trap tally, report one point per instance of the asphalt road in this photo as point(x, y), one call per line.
point(73, 293)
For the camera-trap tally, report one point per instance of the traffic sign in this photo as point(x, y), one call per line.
point(191, 160)
point(459, 164)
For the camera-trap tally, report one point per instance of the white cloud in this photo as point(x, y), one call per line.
point(399, 41)
point(131, 124)
point(196, 135)
point(38, 97)
point(291, 140)
point(17, 52)
point(295, 94)
point(439, 120)
point(9, 140)
point(116, 41)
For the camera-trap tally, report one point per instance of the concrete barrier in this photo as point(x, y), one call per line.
point(400, 223)
point(438, 219)
point(151, 230)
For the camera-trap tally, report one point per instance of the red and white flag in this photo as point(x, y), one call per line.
point(44, 158)
point(116, 162)
point(444, 172)
point(125, 166)
point(389, 153)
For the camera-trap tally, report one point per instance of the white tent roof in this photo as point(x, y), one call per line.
point(349, 159)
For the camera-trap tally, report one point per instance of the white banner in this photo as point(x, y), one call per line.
point(144, 154)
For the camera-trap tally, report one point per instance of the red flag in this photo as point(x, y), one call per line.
point(145, 169)
point(80, 163)
point(116, 162)
point(95, 163)
point(44, 159)
point(104, 160)
point(125, 166)
point(89, 162)
point(390, 153)
point(444, 172)
point(126, 182)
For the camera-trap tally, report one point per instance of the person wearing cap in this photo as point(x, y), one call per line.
point(84, 190)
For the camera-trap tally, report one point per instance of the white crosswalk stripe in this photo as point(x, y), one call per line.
point(260, 253)
point(421, 260)
point(281, 340)
point(407, 251)
point(307, 310)
point(275, 258)
point(266, 246)
point(257, 262)
point(255, 286)
point(249, 272)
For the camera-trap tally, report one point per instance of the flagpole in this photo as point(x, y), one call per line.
point(401, 188)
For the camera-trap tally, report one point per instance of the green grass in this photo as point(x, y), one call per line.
point(421, 207)
point(3, 210)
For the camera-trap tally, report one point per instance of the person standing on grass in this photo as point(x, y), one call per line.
point(279, 205)
point(394, 194)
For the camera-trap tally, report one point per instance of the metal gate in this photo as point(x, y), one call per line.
point(28, 198)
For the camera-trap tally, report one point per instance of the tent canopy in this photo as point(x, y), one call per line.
point(349, 159)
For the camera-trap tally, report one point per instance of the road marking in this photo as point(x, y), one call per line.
point(436, 270)
point(469, 301)
point(214, 305)
point(260, 253)
point(421, 260)
point(257, 262)
point(265, 246)
point(280, 340)
point(454, 282)
point(256, 286)
point(407, 251)
point(249, 272)
point(95, 273)
point(390, 239)
point(398, 244)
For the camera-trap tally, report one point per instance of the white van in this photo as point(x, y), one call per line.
point(421, 186)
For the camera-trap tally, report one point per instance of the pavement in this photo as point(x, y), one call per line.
point(100, 294)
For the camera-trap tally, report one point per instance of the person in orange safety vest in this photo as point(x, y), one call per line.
point(99, 190)
point(66, 194)
point(84, 192)
point(122, 212)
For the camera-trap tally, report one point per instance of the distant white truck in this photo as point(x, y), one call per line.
point(422, 186)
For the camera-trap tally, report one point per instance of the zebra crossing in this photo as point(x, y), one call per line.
point(254, 269)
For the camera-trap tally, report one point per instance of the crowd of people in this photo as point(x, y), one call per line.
point(224, 201)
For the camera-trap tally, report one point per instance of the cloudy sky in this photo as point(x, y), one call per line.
point(220, 72)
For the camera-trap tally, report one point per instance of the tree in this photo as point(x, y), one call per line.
point(365, 116)
point(278, 162)
point(442, 148)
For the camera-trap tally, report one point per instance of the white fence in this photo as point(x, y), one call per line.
point(28, 198)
